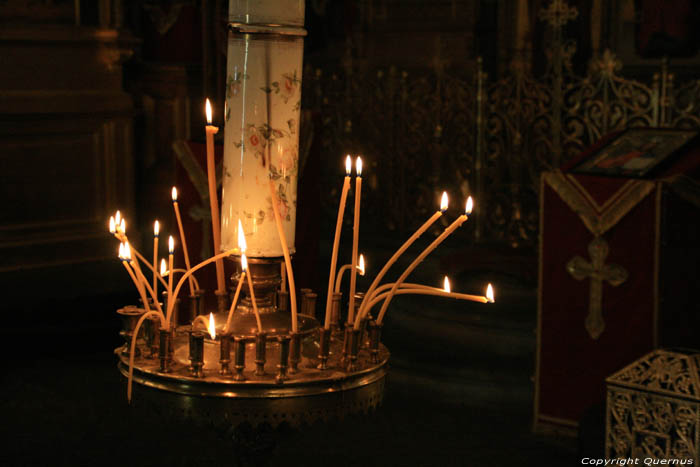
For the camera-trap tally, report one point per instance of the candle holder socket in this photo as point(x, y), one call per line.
point(284, 357)
point(354, 349)
point(294, 352)
point(152, 325)
point(130, 316)
point(375, 333)
point(164, 350)
point(335, 310)
point(347, 335)
point(225, 354)
point(197, 353)
point(239, 356)
point(324, 348)
point(260, 348)
point(308, 304)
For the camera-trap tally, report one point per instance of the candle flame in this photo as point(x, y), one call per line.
point(361, 265)
point(127, 251)
point(156, 228)
point(122, 226)
point(163, 268)
point(208, 109)
point(470, 206)
point(212, 326)
point(121, 251)
point(173, 194)
point(117, 217)
point(244, 263)
point(171, 245)
point(358, 166)
point(242, 245)
point(443, 202)
point(446, 285)
point(348, 165)
point(112, 225)
point(489, 294)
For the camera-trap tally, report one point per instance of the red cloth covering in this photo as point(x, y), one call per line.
point(572, 366)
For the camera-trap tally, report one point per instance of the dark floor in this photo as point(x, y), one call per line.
point(458, 393)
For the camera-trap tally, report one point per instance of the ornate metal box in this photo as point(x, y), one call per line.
point(653, 408)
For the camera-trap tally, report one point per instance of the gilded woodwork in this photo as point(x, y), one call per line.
point(653, 409)
point(468, 133)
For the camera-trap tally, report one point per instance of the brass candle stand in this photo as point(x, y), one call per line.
point(276, 375)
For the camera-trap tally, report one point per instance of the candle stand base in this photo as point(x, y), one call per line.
point(278, 374)
point(274, 397)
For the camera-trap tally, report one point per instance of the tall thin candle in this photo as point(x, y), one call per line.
point(183, 240)
point(171, 249)
point(336, 239)
point(139, 288)
point(241, 279)
point(156, 232)
point(211, 130)
point(285, 251)
point(355, 238)
point(446, 233)
point(405, 246)
point(244, 266)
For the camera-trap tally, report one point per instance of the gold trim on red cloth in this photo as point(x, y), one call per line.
point(598, 218)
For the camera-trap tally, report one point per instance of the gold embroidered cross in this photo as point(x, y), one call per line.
point(598, 272)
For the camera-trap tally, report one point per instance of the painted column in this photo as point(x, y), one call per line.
point(261, 140)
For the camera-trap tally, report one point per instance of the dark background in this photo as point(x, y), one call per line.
point(94, 98)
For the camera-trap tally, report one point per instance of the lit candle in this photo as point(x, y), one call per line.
point(244, 266)
point(211, 130)
point(117, 217)
point(212, 326)
point(355, 237)
point(142, 280)
point(243, 246)
point(241, 279)
point(404, 247)
point(446, 233)
point(346, 267)
point(156, 231)
point(123, 251)
point(119, 234)
point(183, 240)
point(446, 285)
point(171, 250)
point(112, 225)
point(336, 239)
point(285, 251)
point(163, 268)
point(422, 290)
point(489, 294)
point(135, 264)
point(171, 304)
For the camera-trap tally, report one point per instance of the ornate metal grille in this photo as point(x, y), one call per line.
point(490, 138)
point(652, 408)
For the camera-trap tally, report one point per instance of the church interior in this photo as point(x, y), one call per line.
point(574, 125)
